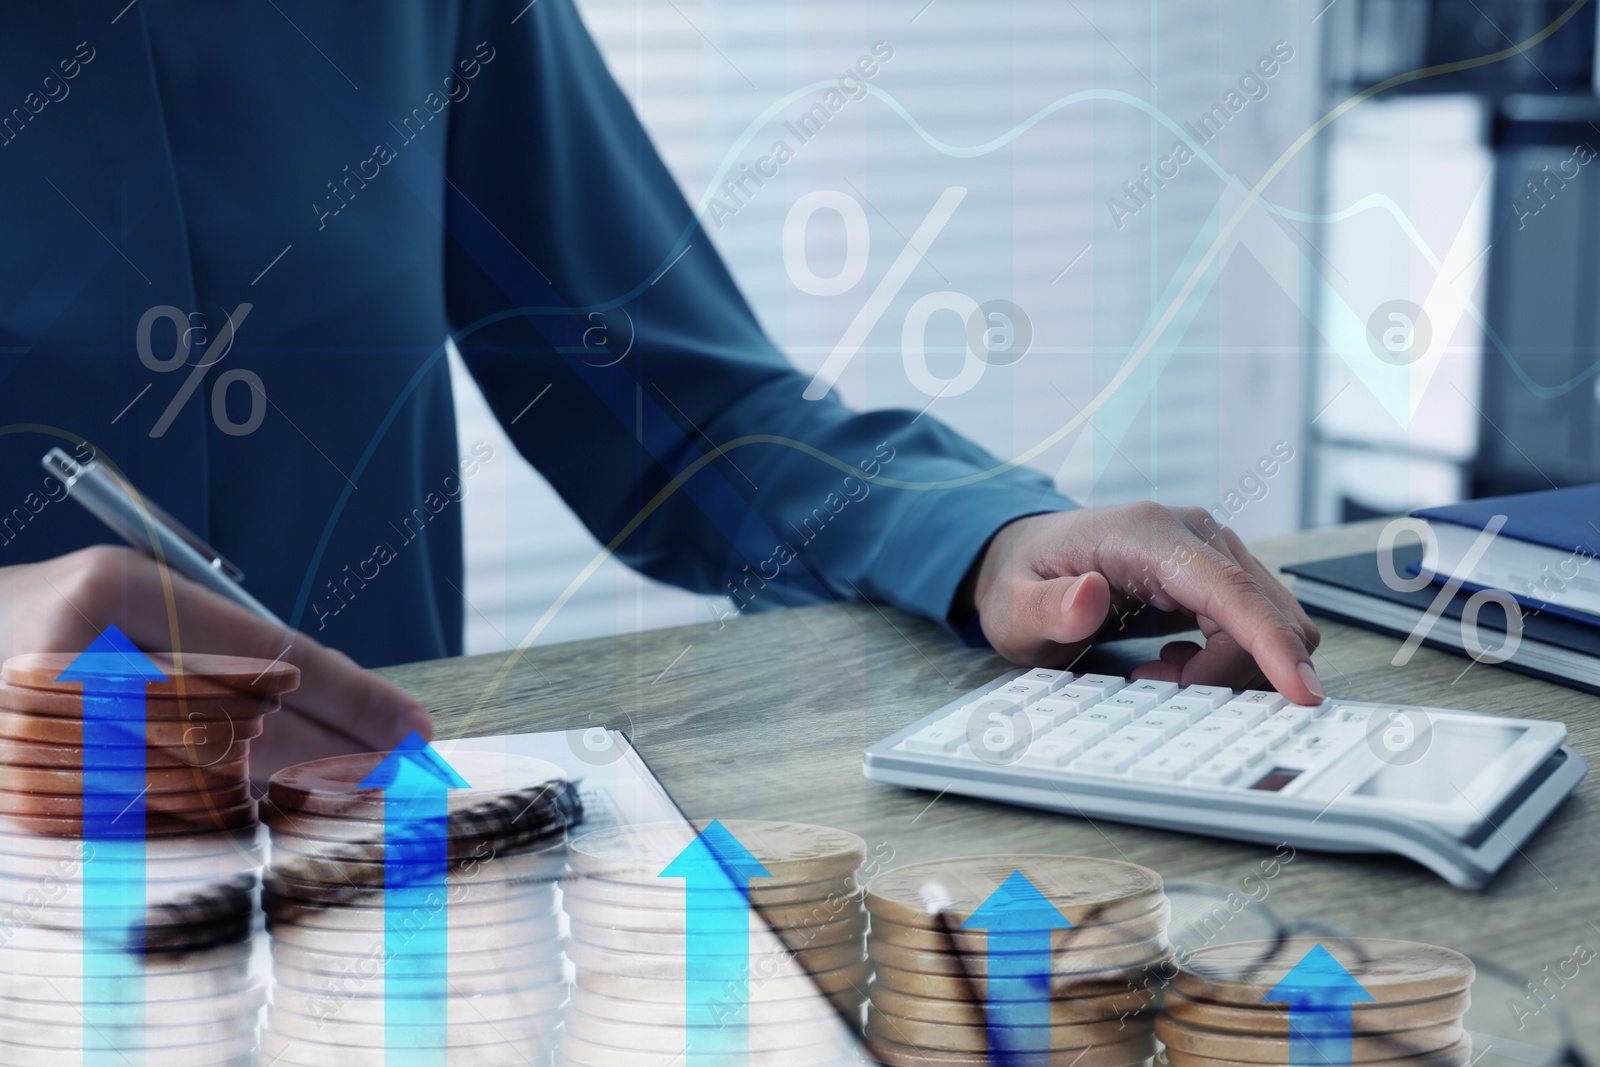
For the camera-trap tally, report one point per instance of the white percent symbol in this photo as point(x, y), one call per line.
point(1474, 605)
point(857, 245)
point(215, 350)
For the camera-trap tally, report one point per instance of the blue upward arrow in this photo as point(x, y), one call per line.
point(416, 782)
point(1321, 996)
point(716, 870)
point(1019, 921)
point(114, 674)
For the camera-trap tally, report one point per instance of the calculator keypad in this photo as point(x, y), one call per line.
point(1102, 726)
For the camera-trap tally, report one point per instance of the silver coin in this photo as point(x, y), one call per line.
point(574, 1050)
point(797, 917)
point(531, 940)
point(65, 958)
point(784, 986)
point(669, 895)
point(529, 1031)
point(668, 1037)
point(489, 961)
point(360, 983)
point(298, 1052)
point(772, 958)
point(791, 853)
point(673, 942)
point(674, 923)
point(108, 1028)
point(64, 1011)
point(520, 904)
point(69, 1049)
point(159, 988)
point(676, 1012)
point(489, 1007)
point(17, 841)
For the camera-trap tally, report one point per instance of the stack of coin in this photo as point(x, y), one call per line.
point(194, 746)
point(86, 925)
point(68, 999)
point(1221, 1009)
point(168, 895)
point(498, 987)
point(930, 989)
point(634, 1002)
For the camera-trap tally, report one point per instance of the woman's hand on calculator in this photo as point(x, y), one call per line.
point(1049, 585)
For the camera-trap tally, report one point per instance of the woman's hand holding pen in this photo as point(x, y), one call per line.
point(62, 604)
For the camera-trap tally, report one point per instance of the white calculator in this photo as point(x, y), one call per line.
point(1458, 792)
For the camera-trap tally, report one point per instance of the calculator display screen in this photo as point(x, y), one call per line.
point(1453, 755)
point(1276, 779)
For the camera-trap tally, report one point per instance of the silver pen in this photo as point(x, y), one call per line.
point(146, 527)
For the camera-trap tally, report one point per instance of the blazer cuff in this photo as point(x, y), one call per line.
point(940, 536)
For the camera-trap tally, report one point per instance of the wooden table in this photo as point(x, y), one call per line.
point(765, 716)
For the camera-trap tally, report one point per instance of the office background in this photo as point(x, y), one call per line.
point(1241, 329)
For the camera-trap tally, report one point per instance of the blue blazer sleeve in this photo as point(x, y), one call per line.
point(671, 425)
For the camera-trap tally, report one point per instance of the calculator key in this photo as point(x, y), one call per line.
point(1270, 734)
point(1138, 703)
point(1160, 690)
point(1027, 692)
point(1193, 710)
point(1342, 713)
point(1105, 759)
point(1053, 710)
point(1258, 698)
point(1200, 746)
point(1244, 752)
point(1295, 718)
point(1104, 683)
point(1163, 765)
point(992, 759)
point(1170, 723)
point(1079, 696)
point(937, 739)
point(1050, 752)
point(1086, 732)
point(1213, 696)
point(1219, 770)
point(1112, 741)
point(1224, 730)
point(1318, 742)
point(1111, 718)
point(1053, 679)
point(1039, 724)
point(989, 712)
point(1139, 737)
point(1249, 714)
point(994, 703)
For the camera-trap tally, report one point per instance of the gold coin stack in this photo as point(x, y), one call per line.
point(194, 747)
point(1221, 1009)
point(628, 945)
point(502, 972)
point(929, 993)
point(81, 977)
